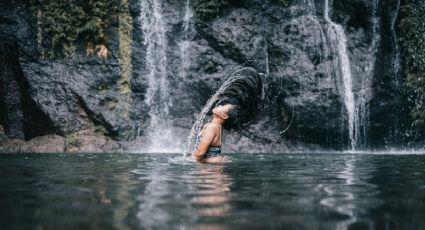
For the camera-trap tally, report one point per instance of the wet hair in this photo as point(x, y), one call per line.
point(244, 90)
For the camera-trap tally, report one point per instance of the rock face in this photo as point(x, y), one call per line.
point(290, 44)
point(84, 141)
point(62, 95)
point(41, 144)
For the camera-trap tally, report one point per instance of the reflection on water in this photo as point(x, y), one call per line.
point(174, 197)
point(288, 191)
point(351, 195)
point(212, 190)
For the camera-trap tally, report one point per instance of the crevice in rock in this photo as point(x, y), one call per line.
point(36, 122)
point(97, 119)
point(20, 115)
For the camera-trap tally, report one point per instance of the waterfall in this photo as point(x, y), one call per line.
point(187, 19)
point(365, 92)
point(158, 135)
point(185, 43)
point(337, 38)
point(267, 58)
point(396, 57)
point(396, 71)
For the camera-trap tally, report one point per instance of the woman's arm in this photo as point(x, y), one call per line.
point(208, 135)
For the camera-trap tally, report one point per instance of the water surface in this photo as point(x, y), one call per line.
point(157, 191)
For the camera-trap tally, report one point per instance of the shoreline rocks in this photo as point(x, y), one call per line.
point(84, 141)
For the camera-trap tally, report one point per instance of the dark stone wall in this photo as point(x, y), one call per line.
point(387, 112)
point(12, 116)
point(68, 94)
point(21, 116)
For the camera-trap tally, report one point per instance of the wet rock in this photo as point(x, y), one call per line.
point(44, 144)
point(68, 92)
point(10, 95)
point(291, 46)
point(87, 141)
point(41, 144)
point(3, 137)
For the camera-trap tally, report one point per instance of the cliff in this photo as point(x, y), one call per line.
point(138, 75)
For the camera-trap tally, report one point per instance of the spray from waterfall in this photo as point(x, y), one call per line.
point(365, 92)
point(396, 70)
point(185, 43)
point(396, 59)
point(267, 61)
point(158, 135)
point(187, 19)
point(337, 38)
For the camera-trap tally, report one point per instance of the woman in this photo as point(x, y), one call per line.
point(209, 139)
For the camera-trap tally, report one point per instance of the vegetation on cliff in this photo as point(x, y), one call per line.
point(90, 25)
point(125, 42)
point(61, 23)
point(412, 37)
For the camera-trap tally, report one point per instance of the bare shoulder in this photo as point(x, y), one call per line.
point(210, 131)
point(209, 128)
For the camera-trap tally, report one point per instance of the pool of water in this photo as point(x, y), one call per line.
point(157, 191)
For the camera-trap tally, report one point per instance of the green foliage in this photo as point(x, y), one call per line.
point(210, 66)
point(207, 9)
point(101, 129)
point(412, 38)
point(416, 84)
point(71, 139)
point(61, 23)
point(125, 43)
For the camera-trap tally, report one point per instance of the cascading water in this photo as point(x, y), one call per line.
point(267, 59)
point(187, 19)
point(365, 92)
point(185, 44)
point(396, 70)
point(396, 57)
point(339, 43)
point(158, 135)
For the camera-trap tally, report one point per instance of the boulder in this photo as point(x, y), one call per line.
point(87, 141)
